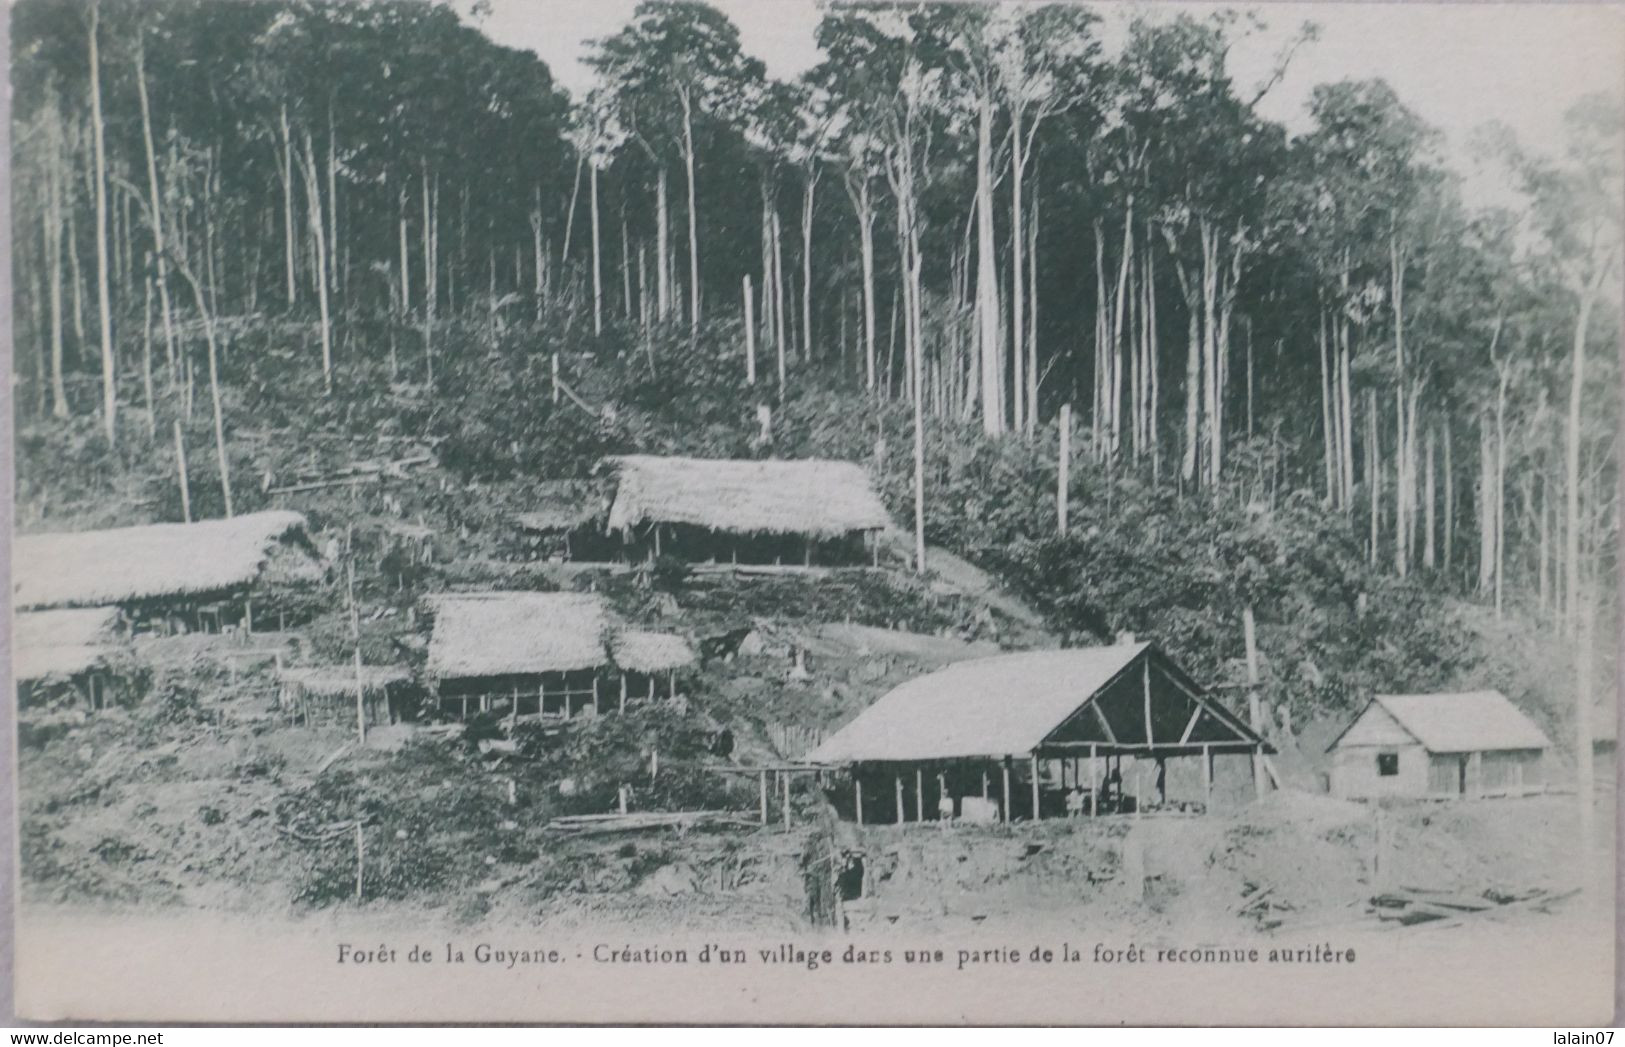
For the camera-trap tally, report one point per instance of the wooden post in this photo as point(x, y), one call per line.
point(1254, 716)
point(248, 617)
point(360, 860)
point(555, 377)
point(1207, 775)
point(1036, 814)
point(180, 467)
point(620, 797)
point(513, 713)
point(750, 335)
point(986, 789)
point(597, 706)
point(919, 794)
point(1146, 677)
point(762, 790)
point(1006, 767)
point(1094, 781)
point(786, 801)
point(1063, 471)
point(857, 790)
point(623, 690)
point(899, 781)
point(355, 634)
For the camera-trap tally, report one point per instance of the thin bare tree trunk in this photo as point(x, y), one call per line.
point(287, 204)
point(597, 262)
point(59, 392)
point(313, 192)
point(103, 304)
point(990, 345)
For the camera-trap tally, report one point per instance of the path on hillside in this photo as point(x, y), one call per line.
point(959, 575)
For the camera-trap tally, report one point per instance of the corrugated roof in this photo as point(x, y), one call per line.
point(806, 496)
point(495, 634)
point(646, 652)
point(1003, 705)
point(1473, 721)
point(123, 564)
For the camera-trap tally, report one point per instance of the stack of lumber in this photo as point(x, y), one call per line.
point(1413, 905)
point(600, 824)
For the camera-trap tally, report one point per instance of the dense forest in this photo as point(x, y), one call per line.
point(965, 236)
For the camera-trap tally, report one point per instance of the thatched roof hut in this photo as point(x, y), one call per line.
point(646, 652)
point(525, 633)
point(159, 561)
point(561, 505)
point(509, 633)
point(811, 497)
point(63, 644)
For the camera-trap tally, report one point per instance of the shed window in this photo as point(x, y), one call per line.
point(1387, 764)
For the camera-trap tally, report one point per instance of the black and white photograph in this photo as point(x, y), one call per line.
point(802, 511)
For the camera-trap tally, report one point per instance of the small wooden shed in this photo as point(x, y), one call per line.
point(1474, 743)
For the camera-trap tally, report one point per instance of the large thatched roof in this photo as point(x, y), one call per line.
point(496, 634)
point(646, 652)
point(61, 643)
point(126, 564)
point(514, 633)
point(814, 497)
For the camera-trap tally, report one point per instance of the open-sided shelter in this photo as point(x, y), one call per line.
point(554, 655)
point(564, 520)
point(1440, 745)
point(1018, 735)
point(327, 693)
point(200, 576)
point(807, 511)
point(70, 650)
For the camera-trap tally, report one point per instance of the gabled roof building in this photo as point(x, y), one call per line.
point(1475, 743)
point(1023, 731)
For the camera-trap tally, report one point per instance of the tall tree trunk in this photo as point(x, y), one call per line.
point(597, 261)
point(103, 304)
point(59, 392)
point(1429, 496)
point(1449, 500)
point(810, 186)
point(1571, 490)
point(1017, 296)
point(287, 205)
point(693, 219)
point(406, 258)
point(989, 344)
point(319, 235)
point(431, 274)
point(866, 249)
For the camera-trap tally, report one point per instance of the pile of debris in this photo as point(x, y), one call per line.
point(1412, 905)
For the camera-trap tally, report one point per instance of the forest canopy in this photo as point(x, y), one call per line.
point(963, 222)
